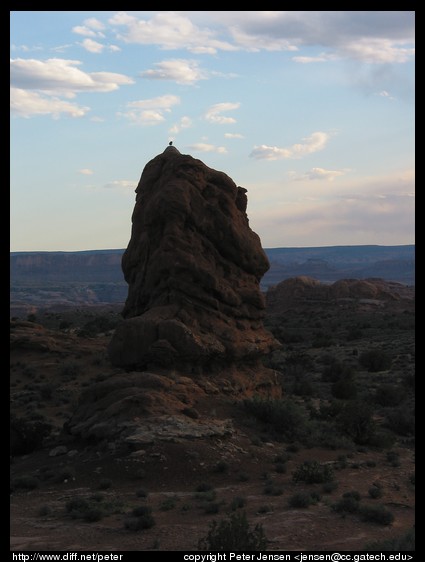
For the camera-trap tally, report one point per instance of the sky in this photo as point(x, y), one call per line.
point(312, 112)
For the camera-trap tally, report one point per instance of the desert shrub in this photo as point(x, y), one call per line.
point(389, 395)
point(82, 508)
point(352, 494)
point(285, 417)
point(25, 482)
point(97, 326)
point(303, 387)
point(280, 468)
point(401, 420)
point(375, 360)
point(375, 492)
point(301, 499)
point(335, 370)
point(272, 489)
point(168, 504)
point(344, 389)
point(376, 514)
point(140, 518)
point(27, 435)
point(329, 487)
point(312, 472)
point(347, 504)
point(221, 466)
point(211, 507)
point(44, 510)
point(92, 508)
point(105, 483)
point(355, 420)
point(404, 543)
point(237, 503)
point(234, 534)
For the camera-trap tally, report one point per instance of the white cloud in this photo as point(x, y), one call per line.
point(25, 103)
point(213, 114)
point(367, 36)
point(92, 46)
point(86, 171)
point(184, 123)
point(94, 23)
point(181, 71)
point(150, 111)
point(205, 147)
point(320, 174)
point(252, 42)
point(62, 77)
point(233, 136)
point(121, 184)
point(377, 50)
point(323, 57)
point(82, 30)
point(161, 102)
point(169, 30)
point(92, 28)
point(385, 94)
point(315, 142)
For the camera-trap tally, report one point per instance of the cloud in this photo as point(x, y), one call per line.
point(315, 142)
point(255, 42)
point(86, 171)
point(92, 46)
point(323, 57)
point(233, 136)
point(121, 184)
point(184, 123)
point(181, 71)
point(385, 94)
point(92, 28)
point(169, 30)
point(25, 103)
point(320, 174)
point(205, 147)
point(62, 77)
point(377, 50)
point(150, 111)
point(213, 114)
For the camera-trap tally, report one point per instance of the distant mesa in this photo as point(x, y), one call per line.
point(193, 267)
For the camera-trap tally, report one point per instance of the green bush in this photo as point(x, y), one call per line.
point(27, 435)
point(312, 472)
point(389, 395)
point(375, 360)
point(285, 417)
point(356, 420)
point(140, 518)
point(347, 504)
point(344, 389)
point(404, 543)
point(301, 499)
point(234, 534)
point(376, 514)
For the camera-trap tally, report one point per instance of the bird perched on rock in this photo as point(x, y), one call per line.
point(170, 143)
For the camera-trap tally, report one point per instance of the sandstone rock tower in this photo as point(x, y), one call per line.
point(193, 266)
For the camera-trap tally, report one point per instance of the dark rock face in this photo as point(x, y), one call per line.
point(193, 266)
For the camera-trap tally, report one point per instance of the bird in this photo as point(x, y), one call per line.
point(170, 143)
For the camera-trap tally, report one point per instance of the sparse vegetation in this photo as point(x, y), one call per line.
point(234, 534)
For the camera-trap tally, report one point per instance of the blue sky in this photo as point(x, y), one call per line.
point(312, 112)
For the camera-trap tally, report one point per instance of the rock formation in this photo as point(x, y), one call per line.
point(193, 266)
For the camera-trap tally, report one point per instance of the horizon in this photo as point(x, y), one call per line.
point(312, 112)
point(264, 248)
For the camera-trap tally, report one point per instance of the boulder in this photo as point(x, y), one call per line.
point(193, 267)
